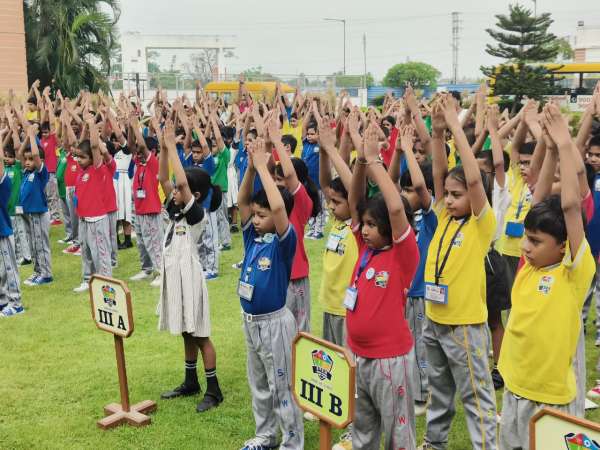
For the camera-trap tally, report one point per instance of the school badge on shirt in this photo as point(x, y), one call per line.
point(264, 263)
point(180, 230)
point(381, 279)
point(545, 284)
point(458, 240)
point(85, 177)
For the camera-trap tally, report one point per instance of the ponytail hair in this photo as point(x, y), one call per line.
point(199, 181)
point(311, 188)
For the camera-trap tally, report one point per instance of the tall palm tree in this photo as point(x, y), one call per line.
point(70, 42)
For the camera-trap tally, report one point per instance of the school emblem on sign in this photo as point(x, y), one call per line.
point(381, 279)
point(109, 295)
point(545, 284)
point(264, 263)
point(580, 442)
point(322, 364)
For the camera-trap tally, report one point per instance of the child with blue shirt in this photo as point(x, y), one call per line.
point(417, 185)
point(269, 327)
point(33, 204)
point(10, 292)
point(310, 156)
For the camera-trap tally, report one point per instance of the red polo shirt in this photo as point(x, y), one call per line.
point(377, 327)
point(72, 171)
point(89, 189)
point(110, 196)
point(146, 180)
point(298, 218)
point(49, 145)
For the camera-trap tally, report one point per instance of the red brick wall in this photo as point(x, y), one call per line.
point(13, 65)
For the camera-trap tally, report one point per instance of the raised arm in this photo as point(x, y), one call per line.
point(558, 130)
point(356, 193)
point(289, 173)
point(329, 154)
point(497, 153)
point(416, 176)
point(35, 152)
point(545, 178)
point(475, 189)
point(438, 146)
point(94, 140)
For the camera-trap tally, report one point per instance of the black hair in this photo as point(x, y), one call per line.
point(151, 143)
point(45, 126)
point(470, 134)
point(390, 119)
point(386, 131)
point(199, 181)
point(547, 217)
point(312, 125)
point(458, 173)
point(253, 132)
point(378, 210)
point(594, 141)
point(337, 186)
point(32, 100)
point(456, 95)
point(196, 143)
point(260, 198)
point(86, 147)
point(294, 116)
point(288, 139)
point(489, 158)
point(311, 188)
point(228, 133)
point(426, 169)
point(527, 148)
point(9, 151)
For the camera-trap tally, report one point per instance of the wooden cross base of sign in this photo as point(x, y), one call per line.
point(119, 413)
point(136, 416)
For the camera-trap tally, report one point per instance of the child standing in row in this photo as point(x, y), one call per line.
point(183, 307)
point(90, 197)
point(10, 290)
point(148, 225)
point(269, 327)
point(292, 174)
point(456, 336)
point(378, 333)
point(536, 356)
point(33, 205)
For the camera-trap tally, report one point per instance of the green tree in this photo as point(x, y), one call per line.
point(352, 81)
point(522, 39)
point(257, 74)
point(418, 74)
point(70, 42)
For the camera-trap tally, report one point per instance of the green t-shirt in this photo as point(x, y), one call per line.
point(14, 173)
point(60, 173)
point(221, 161)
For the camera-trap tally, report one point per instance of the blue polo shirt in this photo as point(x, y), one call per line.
point(593, 227)
point(186, 160)
point(425, 225)
point(5, 190)
point(310, 156)
point(208, 164)
point(267, 266)
point(32, 196)
point(241, 163)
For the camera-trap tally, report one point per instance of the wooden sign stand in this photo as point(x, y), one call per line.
point(324, 435)
point(111, 310)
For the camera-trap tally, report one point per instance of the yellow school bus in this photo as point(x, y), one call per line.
point(230, 89)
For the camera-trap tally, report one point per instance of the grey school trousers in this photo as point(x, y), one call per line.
point(334, 329)
point(95, 248)
point(317, 224)
point(514, 423)
point(458, 361)
point(415, 316)
point(222, 214)
point(149, 238)
point(298, 302)
point(38, 229)
point(51, 192)
point(208, 244)
point(21, 242)
point(269, 363)
point(10, 289)
point(384, 404)
point(112, 235)
point(67, 218)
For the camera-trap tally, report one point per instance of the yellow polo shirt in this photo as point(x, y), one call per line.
point(520, 204)
point(464, 273)
point(339, 259)
point(297, 133)
point(543, 328)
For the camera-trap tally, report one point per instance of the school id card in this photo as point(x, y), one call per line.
point(436, 293)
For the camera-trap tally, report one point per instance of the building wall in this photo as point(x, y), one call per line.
point(13, 63)
point(587, 43)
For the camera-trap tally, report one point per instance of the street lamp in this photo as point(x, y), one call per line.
point(344, 22)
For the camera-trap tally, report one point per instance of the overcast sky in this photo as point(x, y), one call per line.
point(292, 37)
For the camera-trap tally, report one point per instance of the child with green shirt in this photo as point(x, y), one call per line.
point(13, 171)
point(62, 195)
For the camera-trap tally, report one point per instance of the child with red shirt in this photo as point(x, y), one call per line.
point(91, 209)
point(72, 173)
point(292, 174)
point(378, 333)
point(110, 199)
point(148, 226)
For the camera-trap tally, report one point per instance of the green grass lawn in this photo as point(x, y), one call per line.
point(58, 371)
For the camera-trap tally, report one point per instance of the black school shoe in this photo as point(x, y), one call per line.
point(183, 390)
point(497, 379)
point(211, 400)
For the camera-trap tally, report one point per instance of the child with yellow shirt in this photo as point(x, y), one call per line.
point(547, 297)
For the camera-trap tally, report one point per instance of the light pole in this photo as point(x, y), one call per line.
point(344, 22)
